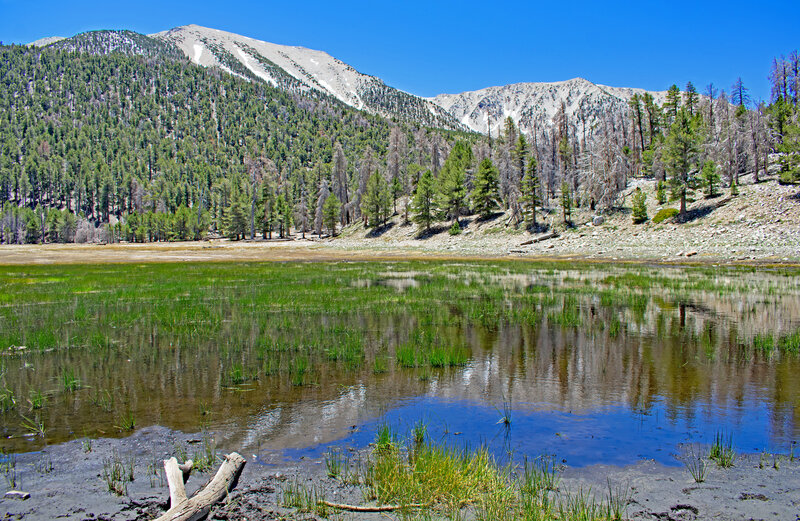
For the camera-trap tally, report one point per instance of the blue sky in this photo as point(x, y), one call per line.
point(452, 46)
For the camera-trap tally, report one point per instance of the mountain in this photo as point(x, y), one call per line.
point(123, 42)
point(301, 69)
point(537, 104)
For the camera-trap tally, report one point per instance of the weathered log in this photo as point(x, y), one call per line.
point(382, 508)
point(551, 235)
point(722, 202)
point(198, 506)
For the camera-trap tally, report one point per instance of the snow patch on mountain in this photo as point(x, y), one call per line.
point(248, 62)
point(198, 52)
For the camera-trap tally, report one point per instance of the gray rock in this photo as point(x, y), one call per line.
point(597, 220)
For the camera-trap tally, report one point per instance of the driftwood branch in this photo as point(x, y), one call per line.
point(183, 508)
point(382, 508)
point(540, 238)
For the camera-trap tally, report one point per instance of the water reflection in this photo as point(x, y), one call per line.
point(590, 378)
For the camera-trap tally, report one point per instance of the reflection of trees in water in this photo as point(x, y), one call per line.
point(637, 351)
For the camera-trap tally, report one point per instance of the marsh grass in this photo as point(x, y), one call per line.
point(291, 324)
point(7, 399)
point(722, 450)
point(34, 426)
point(695, 464)
point(8, 466)
point(44, 465)
point(335, 463)
point(36, 399)
point(70, 382)
point(118, 472)
point(468, 484)
point(126, 421)
point(505, 414)
point(103, 399)
point(380, 365)
point(205, 458)
point(539, 475)
point(305, 499)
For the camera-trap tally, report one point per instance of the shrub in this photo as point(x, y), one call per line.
point(665, 214)
point(455, 229)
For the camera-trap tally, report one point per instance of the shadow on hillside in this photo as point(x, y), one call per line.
point(539, 228)
point(695, 213)
point(622, 210)
point(434, 230)
point(490, 218)
point(379, 230)
point(796, 197)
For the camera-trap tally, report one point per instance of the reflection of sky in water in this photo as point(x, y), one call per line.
point(613, 435)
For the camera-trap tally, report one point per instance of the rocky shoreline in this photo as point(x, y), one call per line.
point(66, 481)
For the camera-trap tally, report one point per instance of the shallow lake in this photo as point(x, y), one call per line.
point(588, 363)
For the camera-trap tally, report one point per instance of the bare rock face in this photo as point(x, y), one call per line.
point(536, 106)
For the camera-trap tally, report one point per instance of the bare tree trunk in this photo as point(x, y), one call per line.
point(183, 508)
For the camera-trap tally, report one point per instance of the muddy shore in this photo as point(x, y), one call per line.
point(66, 481)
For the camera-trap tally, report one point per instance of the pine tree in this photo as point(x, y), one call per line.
point(639, 206)
point(690, 98)
point(424, 206)
point(396, 189)
point(530, 191)
point(710, 178)
point(682, 149)
point(236, 226)
point(486, 193)
point(284, 212)
point(661, 192)
point(566, 203)
point(270, 215)
point(518, 154)
point(377, 201)
point(340, 177)
point(451, 187)
point(331, 212)
point(672, 103)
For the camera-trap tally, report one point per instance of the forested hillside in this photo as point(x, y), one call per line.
point(113, 136)
point(173, 150)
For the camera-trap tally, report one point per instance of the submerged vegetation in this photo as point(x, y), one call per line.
point(87, 337)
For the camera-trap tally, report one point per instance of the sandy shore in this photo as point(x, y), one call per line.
point(65, 481)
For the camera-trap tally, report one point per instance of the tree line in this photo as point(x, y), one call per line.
point(117, 147)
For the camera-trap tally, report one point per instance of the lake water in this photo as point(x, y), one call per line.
point(591, 364)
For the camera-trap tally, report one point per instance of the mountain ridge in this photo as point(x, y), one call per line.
point(301, 68)
point(531, 105)
point(536, 104)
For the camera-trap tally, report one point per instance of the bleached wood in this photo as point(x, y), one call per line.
point(198, 506)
